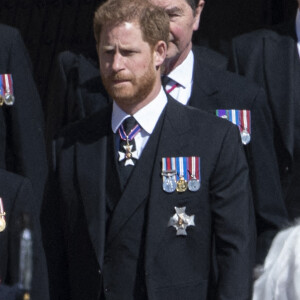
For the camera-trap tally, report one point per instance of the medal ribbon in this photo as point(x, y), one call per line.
point(2, 213)
point(2, 90)
point(135, 130)
point(168, 167)
point(7, 84)
point(194, 167)
point(241, 118)
point(245, 121)
point(181, 166)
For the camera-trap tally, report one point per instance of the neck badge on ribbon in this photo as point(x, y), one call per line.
point(128, 155)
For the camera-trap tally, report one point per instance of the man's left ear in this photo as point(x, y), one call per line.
point(160, 52)
point(198, 12)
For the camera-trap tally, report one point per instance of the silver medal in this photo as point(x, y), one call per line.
point(169, 185)
point(194, 185)
point(181, 221)
point(9, 99)
point(245, 136)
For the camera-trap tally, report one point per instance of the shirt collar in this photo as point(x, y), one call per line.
point(183, 74)
point(298, 29)
point(147, 116)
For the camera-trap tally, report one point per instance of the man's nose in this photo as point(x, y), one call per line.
point(118, 62)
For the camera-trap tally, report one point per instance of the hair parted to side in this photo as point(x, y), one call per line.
point(153, 20)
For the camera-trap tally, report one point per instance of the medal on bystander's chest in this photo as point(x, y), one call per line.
point(2, 216)
point(241, 118)
point(6, 90)
point(245, 136)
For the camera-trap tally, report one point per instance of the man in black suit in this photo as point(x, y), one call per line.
point(22, 148)
point(149, 235)
point(271, 58)
point(18, 208)
point(194, 83)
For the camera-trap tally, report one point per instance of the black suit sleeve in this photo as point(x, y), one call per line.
point(270, 210)
point(53, 236)
point(233, 220)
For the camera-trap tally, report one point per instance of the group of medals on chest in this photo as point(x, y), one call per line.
point(181, 174)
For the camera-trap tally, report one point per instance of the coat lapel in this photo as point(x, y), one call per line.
point(282, 92)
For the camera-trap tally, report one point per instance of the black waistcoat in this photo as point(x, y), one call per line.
point(123, 267)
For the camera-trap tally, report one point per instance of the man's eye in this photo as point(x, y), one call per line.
point(128, 52)
point(110, 52)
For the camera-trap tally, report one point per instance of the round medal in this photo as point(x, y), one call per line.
point(194, 185)
point(169, 185)
point(2, 224)
point(181, 185)
point(245, 137)
point(9, 99)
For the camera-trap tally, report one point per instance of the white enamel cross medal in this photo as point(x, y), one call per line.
point(128, 155)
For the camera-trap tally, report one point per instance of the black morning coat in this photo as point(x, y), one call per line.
point(18, 200)
point(87, 249)
point(82, 93)
point(22, 144)
point(271, 58)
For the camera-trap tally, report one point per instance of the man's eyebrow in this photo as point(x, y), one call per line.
point(172, 10)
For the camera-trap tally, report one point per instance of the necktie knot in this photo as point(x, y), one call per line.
point(129, 124)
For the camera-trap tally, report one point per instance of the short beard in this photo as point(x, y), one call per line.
point(141, 87)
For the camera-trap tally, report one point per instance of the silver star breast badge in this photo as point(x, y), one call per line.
point(180, 221)
point(128, 155)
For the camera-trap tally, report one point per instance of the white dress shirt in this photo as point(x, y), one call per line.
point(147, 118)
point(183, 75)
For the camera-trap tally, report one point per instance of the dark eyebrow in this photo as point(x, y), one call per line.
point(173, 10)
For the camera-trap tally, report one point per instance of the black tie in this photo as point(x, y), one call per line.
point(127, 151)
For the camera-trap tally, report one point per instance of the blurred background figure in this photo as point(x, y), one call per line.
point(280, 275)
point(271, 58)
point(22, 267)
point(22, 144)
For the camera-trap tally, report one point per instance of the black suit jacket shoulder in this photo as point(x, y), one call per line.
point(18, 199)
point(210, 57)
point(77, 92)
